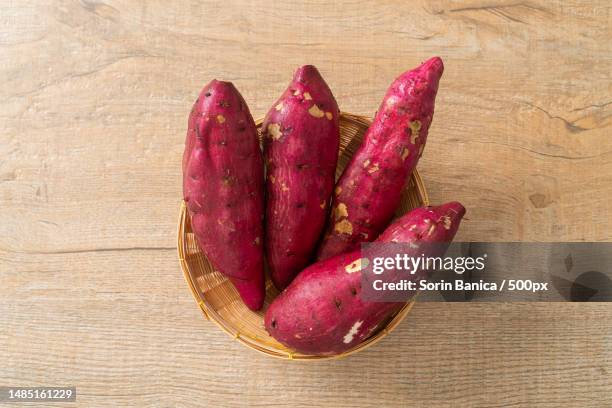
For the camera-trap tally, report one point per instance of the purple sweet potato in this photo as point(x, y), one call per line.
point(322, 312)
point(301, 138)
point(369, 190)
point(223, 187)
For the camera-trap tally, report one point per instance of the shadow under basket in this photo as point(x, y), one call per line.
point(219, 300)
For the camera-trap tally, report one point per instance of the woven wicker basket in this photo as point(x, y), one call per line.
point(218, 299)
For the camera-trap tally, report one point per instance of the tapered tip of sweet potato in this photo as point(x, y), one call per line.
point(221, 97)
point(425, 76)
point(252, 292)
point(454, 209)
point(308, 80)
point(434, 66)
point(281, 282)
point(449, 215)
point(217, 84)
point(428, 224)
point(217, 90)
point(307, 74)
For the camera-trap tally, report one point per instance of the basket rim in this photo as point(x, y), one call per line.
point(255, 344)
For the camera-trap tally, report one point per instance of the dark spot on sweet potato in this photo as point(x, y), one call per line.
point(224, 104)
point(365, 205)
point(338, 303)
point(207, 94)
point(227, 180)
point(300, 205)
point(288, 129)
point(302, 166)
point(353, 291)
point(273, 323)
point(289, 253)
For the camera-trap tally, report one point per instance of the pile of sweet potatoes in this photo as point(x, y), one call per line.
point(282, 203)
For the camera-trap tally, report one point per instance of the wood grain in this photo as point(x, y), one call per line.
point(93, 108)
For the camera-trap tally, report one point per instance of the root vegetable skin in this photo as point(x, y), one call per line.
point(223, 187)
point(322, 313)
point(369, 190)
point(301, 138)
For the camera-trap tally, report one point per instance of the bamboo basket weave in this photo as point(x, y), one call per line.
point(219, 300)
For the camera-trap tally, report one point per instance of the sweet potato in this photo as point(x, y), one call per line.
point(301, 137)
point(322, 312)
point(368, 192)
point(223, 187)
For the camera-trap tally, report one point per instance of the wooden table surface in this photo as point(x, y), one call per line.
point(93, 109)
